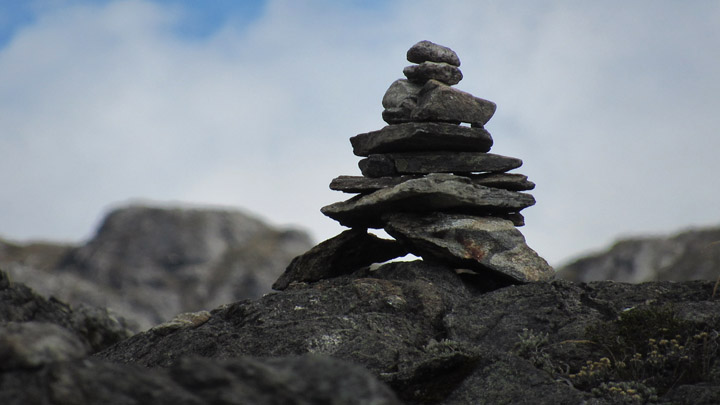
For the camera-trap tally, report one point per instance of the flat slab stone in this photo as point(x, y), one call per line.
point(441, 72)
point(427, 51)
point(361, 184)
point(507, 181)
point(422, 136)
point(342, 254)
point(392, 164)
point(440, 102)
point(435, 192)
point(478, 243)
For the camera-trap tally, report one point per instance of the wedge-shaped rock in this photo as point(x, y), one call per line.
point(478, 243)
point(427, 51)
point(440, 102)
point(441, 72)
point(361, 184)
point(435, 192)
point(392, 164)
point(342, 254)
point(422, 136)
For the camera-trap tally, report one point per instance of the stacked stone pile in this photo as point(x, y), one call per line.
point(429, 181)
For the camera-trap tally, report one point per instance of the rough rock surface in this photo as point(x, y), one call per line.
point(425, 51)
point(422, 136)
point(150, 263)
point(440, 102)
point(689, 255)
point(389, 164)
point(484, 244)
point(399, 101)
point(435, 192)
point(360, 184)
point(441, 72)
point(300, 380)
point(35, 330)
point(342, 254)
point(438, 337)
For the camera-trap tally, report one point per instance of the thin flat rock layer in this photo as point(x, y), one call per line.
point(432, 193)
point(422, 136)
point(361, 184)
point(393, 164)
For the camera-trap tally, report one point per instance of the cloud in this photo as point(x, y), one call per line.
point(612, 107)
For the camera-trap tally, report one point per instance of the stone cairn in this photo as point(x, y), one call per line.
point(429, 182)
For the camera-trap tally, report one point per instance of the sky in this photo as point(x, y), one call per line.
point(613, 106)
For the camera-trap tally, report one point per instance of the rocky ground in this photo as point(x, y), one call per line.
point(404, 332)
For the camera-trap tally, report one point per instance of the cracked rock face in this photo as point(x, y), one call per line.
point(479, 243)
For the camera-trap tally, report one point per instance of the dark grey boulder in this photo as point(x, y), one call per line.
point(440, 102)
point(435, 192)
point(425, 51)
point(422, 136)
point(441, 72)
point(478, 243)
point(361, 184)
point(95, 328)
point(392, 164)
point(300, 380)
point(342, 254)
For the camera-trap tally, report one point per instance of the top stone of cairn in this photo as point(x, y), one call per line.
point(426, 51)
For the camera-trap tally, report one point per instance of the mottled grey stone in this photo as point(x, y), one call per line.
point(435, 192)
point(390, 164)
point(440, 102)
point(399, 101)
point(342, 254)
point(33, 344)
point(361, 184)
point(422, 136)
point(427, 51)
point(400, 92)
point(478, 243)
point(441, 72)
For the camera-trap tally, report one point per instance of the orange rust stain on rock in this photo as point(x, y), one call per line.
point(475, 251)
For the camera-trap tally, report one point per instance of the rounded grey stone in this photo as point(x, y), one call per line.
point(425, 51)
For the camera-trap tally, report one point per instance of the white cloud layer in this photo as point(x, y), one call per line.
point(612, 106)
